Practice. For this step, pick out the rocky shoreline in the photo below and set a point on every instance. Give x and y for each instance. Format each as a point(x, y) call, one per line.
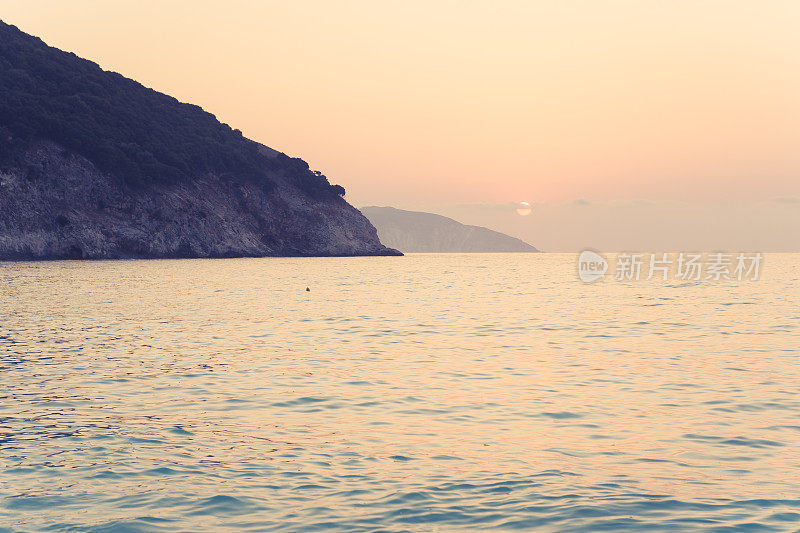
point(55, 204)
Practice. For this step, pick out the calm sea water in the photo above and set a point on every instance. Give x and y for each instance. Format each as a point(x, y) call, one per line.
point(421, 393)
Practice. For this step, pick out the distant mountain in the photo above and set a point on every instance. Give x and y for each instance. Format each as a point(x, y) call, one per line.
point(95, 165)
point(414, 231)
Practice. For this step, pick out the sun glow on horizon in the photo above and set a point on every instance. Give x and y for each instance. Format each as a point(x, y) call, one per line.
point(691, 100)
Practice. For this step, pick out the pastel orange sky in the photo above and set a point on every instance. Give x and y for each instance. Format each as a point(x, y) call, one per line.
point(410, 102)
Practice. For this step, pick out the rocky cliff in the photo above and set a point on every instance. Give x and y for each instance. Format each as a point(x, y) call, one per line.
point(414, 231)
point(94, 165)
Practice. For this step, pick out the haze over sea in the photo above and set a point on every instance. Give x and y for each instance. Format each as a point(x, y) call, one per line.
point(419, 393)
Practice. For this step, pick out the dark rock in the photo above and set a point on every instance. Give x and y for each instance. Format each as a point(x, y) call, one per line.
point(94, 165)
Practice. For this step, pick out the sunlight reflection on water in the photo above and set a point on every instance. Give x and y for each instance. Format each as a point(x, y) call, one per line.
point(421, 393)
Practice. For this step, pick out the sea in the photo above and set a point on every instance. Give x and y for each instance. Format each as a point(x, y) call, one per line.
point(425, 393)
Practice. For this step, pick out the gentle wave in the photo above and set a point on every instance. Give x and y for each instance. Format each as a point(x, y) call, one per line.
point(424, 393)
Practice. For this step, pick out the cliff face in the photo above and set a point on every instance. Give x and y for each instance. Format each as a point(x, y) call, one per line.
point(413, 231)
point(94, 165)
point(57, 205)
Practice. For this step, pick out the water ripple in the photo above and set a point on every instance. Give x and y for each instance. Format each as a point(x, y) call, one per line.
point(425, 393)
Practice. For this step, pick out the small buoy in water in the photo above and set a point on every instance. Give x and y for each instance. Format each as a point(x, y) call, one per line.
point(308, 290)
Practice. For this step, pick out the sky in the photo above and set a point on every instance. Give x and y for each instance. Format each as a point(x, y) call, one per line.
point(463, 106)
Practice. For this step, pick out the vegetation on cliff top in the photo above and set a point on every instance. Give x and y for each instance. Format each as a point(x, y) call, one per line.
point(137, 134)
